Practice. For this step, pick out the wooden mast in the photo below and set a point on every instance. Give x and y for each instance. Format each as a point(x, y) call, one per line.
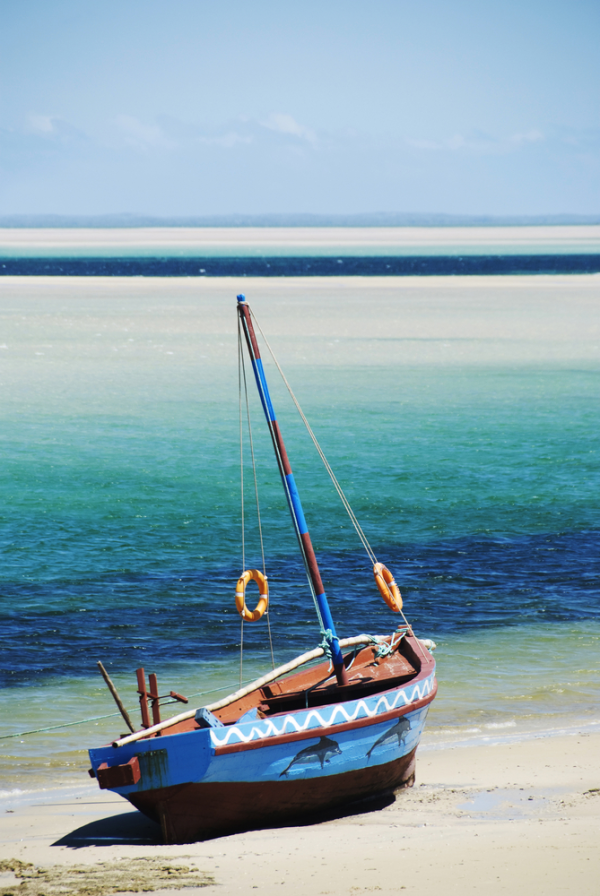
point(291, 493)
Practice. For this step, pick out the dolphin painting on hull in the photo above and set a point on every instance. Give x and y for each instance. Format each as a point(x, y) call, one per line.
point(398, 731)
point(321, 752)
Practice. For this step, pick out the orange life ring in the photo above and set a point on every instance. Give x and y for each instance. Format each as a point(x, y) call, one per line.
point(252, 575)
point(387, 587)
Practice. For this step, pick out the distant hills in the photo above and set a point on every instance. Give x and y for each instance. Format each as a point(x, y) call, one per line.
point(370, 219)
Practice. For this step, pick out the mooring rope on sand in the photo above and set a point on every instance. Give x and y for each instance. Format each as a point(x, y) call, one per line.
point(110, 715)
point(55, 727)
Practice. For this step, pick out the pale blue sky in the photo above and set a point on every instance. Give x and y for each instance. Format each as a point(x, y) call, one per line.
point(191, 107)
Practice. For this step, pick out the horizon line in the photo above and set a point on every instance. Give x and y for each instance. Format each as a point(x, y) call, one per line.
point(299, 219)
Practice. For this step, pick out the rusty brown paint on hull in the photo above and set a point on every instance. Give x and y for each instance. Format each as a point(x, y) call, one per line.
point(191, 812)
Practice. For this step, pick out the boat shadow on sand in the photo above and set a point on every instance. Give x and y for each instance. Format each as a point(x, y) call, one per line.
point(123, 827)
point(132, 827)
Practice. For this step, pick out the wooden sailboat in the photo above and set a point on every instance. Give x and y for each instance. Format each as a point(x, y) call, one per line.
point(302, 739)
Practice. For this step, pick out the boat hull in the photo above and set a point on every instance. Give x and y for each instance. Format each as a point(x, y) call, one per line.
point(207, 782)
point(193, 812)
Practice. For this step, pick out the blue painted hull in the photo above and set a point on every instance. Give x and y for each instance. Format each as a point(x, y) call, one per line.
point(210, 781)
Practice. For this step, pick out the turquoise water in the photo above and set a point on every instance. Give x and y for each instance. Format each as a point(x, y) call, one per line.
point(470, 458)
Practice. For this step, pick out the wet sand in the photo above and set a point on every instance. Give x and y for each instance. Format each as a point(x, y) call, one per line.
point(368, 320)
point(307, 240)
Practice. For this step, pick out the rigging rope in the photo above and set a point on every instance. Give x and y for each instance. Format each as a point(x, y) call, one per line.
point(242, 378)
point(326, 463)
point(111, 715)
point(240, 364)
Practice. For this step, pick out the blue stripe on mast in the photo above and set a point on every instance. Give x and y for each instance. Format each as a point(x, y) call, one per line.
point(327, 619)
point(296, 505)
point(269, 410)
point(263, 391)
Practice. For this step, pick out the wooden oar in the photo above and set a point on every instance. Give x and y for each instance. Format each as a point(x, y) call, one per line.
point(115, 694)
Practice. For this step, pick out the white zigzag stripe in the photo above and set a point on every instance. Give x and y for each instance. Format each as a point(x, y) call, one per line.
point(301, 721)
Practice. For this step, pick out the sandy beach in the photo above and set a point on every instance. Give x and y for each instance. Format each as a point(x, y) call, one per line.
point(305, 240)
point(515, 818)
